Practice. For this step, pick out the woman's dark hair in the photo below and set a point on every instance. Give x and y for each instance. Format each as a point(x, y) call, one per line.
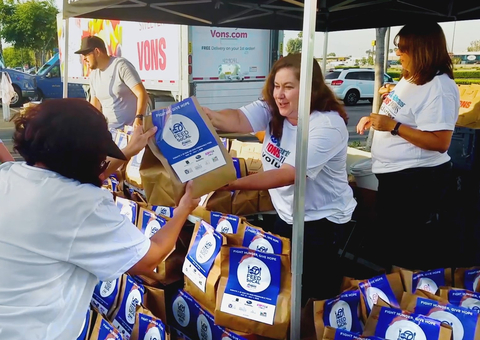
point(425, 44)
point(67, 136)
point(323, 99)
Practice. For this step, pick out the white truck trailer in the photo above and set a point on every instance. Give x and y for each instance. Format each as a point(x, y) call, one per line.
point(222, 67)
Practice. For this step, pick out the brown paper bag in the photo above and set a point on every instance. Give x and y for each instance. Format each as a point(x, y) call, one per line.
point(149, 325)
point(102, 329)
point(158, 187)
point(339, 313)
point(469, 113)
point(154, 301)
point(393, 279)
point(170, 269)
point(281, 321)
point(400, 316)
point(205, 183)
point(220, 201)
point(446, 314)
point(132, 170)
point(208, 298)
point(307, 324)
point(408, 275)
point(245, 202)
point(468, 278)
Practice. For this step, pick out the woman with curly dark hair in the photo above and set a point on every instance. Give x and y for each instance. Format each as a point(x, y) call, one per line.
point(59, 231)
point(329, 201)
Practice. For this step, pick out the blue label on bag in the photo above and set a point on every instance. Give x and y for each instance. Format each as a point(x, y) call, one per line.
point(132, 296)
point(150, 328)
point(465, 298)
point(341, 334)
point(428, 281)
point(127, 208)
point(253, 285)
point(223, 223)
point(84, 332)
point(122, 140)
point(184, 315)
point(108, 332)
point(256, 240)
point(462, 320)
point(104, 295)
point(202, 254)
point(343, 311)
point(236, 165)
point(396, 324)
point(185, 140)
point(375, 288)
point(471, 279)
point(151, 223)
point(162, 210)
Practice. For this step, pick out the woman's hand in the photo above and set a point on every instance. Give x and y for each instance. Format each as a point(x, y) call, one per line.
point(363, 124)
point(382, 122)
point(188, 203)
point(138, 141)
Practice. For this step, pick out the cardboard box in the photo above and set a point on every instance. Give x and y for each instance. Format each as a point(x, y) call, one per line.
point(189, 148)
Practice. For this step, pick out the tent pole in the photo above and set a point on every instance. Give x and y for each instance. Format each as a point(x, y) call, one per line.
point(65, 51)
point(309, 20)
point(325, 50)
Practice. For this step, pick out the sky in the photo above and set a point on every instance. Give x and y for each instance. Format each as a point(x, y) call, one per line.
point(354, 43)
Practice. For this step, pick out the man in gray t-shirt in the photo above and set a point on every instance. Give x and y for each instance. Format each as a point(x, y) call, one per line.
point(115, 86)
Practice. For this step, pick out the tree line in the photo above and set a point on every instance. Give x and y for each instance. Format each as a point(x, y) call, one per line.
point(30, 28)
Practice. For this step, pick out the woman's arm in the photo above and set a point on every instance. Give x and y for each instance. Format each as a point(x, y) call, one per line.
point(229, 120)
point(270, 179)
point(5, 155)
point(428, 140)
point(138, 141)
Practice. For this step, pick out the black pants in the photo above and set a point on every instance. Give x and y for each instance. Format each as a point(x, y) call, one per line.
point(409, 211)
point(321, 271)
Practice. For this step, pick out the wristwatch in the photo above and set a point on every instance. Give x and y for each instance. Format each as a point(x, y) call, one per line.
point(395, 129)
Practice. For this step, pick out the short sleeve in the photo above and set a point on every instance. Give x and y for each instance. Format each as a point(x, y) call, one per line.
point(324, 143)
point(92, 87)
point(107, 244)
point(128, 74)
point(258, 115)
point(439, 114)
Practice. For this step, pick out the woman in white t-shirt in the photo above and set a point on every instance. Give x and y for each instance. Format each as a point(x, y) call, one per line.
point(413, 131)
point(5, 155)
point(329, 201)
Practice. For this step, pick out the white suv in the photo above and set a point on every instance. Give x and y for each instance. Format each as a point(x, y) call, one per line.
point(350, 85)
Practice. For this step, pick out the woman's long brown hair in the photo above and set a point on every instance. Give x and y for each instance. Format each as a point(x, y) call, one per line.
point(426, 45)
point(322, 99)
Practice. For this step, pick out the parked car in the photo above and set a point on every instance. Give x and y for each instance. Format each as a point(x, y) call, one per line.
point(50, 84)
point(351, 85)
point(24, 84)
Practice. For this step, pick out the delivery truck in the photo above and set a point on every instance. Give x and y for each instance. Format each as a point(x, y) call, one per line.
point(222, 67)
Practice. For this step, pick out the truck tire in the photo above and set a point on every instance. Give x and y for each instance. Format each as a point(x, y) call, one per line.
point(17, 99)
point(351, 98)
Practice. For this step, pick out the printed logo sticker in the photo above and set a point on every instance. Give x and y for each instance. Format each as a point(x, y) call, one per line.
point(341, 315)
point(180, 132)
point(373, 294)
point(427, 285)
point(257, 240)
point(181, 312)
point(253, 275)
point(134, 299)
point(203, 328)
point(405, 330)
point(223, 223)
point(206, 248)
point(450, 320)
point(107, 288)
point(471, 303)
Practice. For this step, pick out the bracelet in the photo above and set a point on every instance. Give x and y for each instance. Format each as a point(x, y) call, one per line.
point(139, 116)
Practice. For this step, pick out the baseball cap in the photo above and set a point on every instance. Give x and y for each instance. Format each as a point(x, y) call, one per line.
point(89, 44)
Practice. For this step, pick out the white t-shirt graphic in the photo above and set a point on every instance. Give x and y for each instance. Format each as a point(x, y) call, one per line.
point(327, 193)
point(430, 107)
